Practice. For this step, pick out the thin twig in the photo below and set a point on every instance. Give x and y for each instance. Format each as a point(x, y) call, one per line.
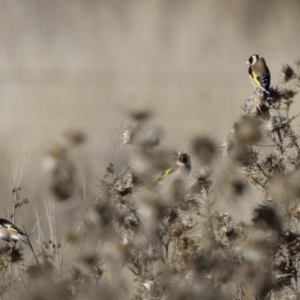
point(30, 245)
point(115, 145)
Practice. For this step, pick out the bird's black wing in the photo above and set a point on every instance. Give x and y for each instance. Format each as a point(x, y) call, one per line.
point(10, 226)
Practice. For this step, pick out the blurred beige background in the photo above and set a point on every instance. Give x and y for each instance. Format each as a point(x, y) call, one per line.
point(81, 65)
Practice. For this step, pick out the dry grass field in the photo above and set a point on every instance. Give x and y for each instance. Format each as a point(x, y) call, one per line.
point(74, 76)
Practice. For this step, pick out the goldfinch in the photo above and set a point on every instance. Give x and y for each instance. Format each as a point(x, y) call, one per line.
point(171, 184)
point(181, 172)
point(10, 233)
point(259, 73)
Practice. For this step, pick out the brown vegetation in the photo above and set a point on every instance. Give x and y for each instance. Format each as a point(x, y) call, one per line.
point(138, 243)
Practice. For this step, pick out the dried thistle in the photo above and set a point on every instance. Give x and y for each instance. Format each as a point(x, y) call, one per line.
point(266, 218)
point(204, 149)
point(287, 73)
point(74, 137)
point(279, 124)
point(276, 96)
point(62, 170)
point(201, 182)
point(140, 115)
point(297, 64)
point(256, 106)
point(247, 131)
point(127, 134)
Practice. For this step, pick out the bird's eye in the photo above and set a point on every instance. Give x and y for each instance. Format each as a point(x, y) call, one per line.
point(182, 158)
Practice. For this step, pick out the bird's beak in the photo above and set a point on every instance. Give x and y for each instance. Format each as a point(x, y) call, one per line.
point(247, 62)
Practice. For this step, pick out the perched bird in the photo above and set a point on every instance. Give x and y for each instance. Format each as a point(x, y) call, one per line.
point(10, 233)
point(259, 74)
point(181, 172)
point(171, 183)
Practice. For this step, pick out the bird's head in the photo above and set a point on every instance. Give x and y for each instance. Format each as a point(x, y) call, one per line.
point(184, 160)
point(252, 60)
